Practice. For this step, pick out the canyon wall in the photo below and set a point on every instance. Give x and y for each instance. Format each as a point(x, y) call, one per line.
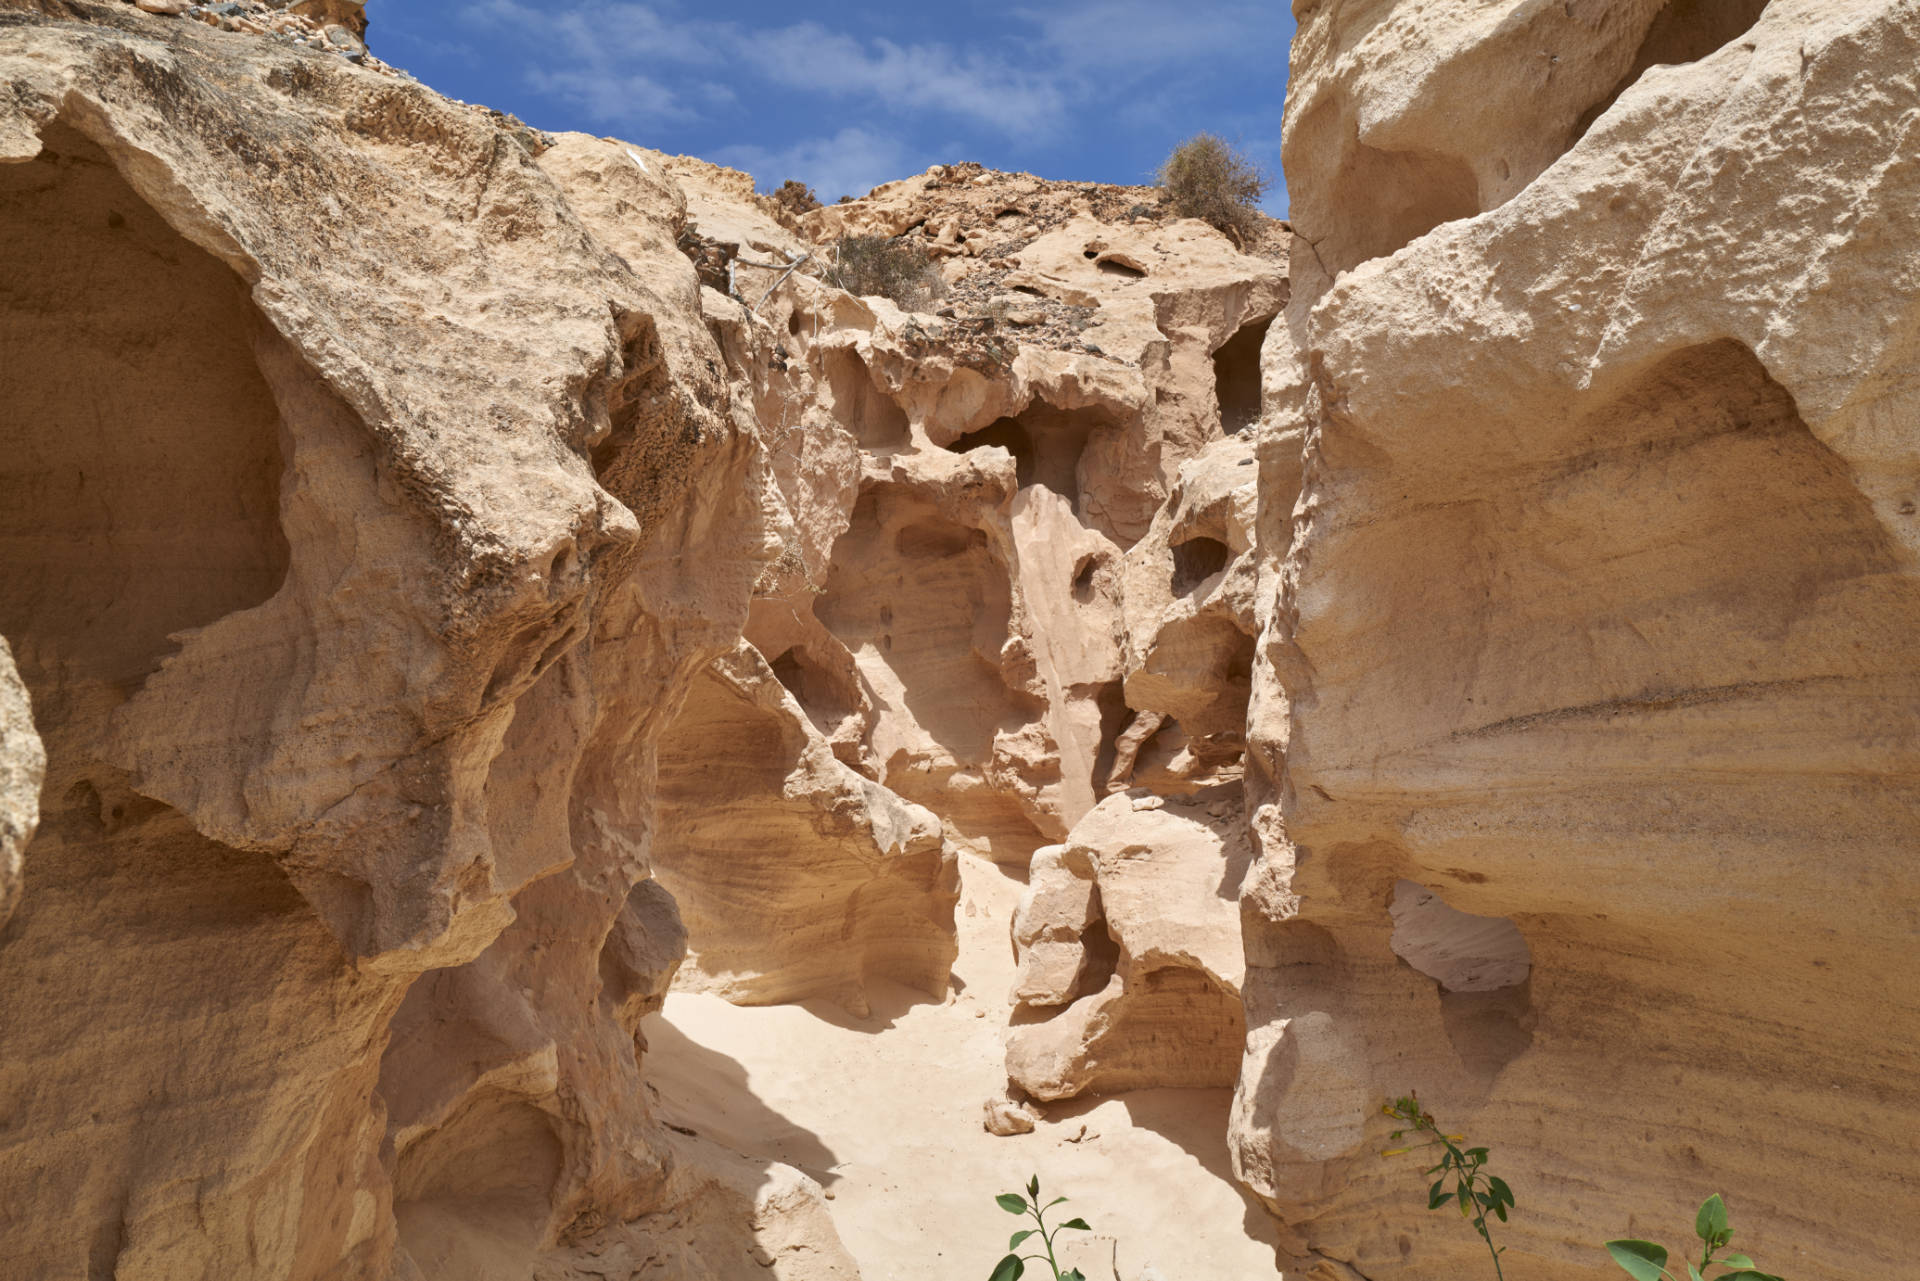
point(373, 496)
point(408, 556)
point(1585, 762)
point(465, 583)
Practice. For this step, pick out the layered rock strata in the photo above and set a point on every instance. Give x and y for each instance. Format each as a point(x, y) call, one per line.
point(1133, 927)
point(946, 617)
point(357, 560)
point(1586, 768)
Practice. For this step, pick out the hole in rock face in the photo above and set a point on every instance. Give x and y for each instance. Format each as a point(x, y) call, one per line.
point(1083, 579)
point(1114, 716)
point(812, 686)
point(1009, 435)
point(1684, 31)
point(139, 444)
point(1459, 951)
point(1197, 560)
point(1114, 267)
point(1048, 446)
point(925, 608)
point(485, 1175)
point(1236, 376)
point(1379, 201)
point(862, 408)
point(1481, 964)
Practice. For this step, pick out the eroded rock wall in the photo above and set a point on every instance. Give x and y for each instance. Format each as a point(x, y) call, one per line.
point(372, 497)
point(1596, 629)
point(945, 622)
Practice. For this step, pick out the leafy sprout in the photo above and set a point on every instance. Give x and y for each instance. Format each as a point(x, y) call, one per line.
point(1645, 1261)
point(1027, 1204)
point(1476, 1192)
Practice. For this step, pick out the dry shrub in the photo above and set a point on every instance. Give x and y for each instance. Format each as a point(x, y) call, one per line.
point(1205, 178)
point(895, 269)
point(796, 197)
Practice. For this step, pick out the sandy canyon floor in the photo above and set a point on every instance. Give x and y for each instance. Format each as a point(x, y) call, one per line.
point(885, 1112)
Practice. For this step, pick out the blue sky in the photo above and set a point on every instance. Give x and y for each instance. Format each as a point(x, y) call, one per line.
point(846, 96)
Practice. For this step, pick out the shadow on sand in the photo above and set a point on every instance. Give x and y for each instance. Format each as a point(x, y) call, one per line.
point(704, 1093)
point(1196, 1120)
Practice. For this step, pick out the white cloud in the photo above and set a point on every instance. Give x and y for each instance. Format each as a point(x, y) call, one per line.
point(929, 77)
point(629, 53)
point(612, 99)
point(849, 163)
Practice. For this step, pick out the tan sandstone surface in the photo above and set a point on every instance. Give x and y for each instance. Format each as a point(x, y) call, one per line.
point(338, 931)
point(1587, 762)
point(550, 743)
point(346, 567)
point(887, 1116)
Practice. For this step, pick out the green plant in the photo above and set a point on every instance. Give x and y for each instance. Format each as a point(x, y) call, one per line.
point(1645, 1261)
point(1014, 1264)
point(1205, 178)
point(876, 265)
point(1476, 1192)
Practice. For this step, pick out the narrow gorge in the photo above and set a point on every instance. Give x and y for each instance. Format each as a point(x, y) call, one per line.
point(542, 739)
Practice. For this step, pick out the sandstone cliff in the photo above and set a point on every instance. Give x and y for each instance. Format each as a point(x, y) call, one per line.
point(472, 589)
point(1598, 624)
point(466, 562)
point(368, 516)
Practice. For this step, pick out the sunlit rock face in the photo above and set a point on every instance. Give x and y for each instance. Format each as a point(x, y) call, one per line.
point(1132, 927)
point(367, 510)
point(1582, 723)
point(942, 660)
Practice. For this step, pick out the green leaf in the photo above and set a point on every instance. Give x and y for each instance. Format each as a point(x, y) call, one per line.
point(1056, 1201)
point(1478, 1154)
point(1033, 1187)
point(1641, 1260)
point(1746, 1274)
point(1008, 1269)
point(1012, 1202)
point(1075, 1275)
point(1737, 1261)
point(1500, 1189)
point(1694, 1273)
point(1074, 1223)
point(1013, 1242)
point(1437, 1194)
point(1712, 1219)
point(1465, 1198)
point(1500, 1209)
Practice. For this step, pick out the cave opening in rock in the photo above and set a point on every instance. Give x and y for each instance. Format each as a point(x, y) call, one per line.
point(823, 697)
point(1481, 965)
point(1197, 560)
point(925, 606)
point(140, 454)
point(1380, 201)
point(1683, 31)
point(1048, 445)
point(1007, 434)
point(1236, 376)
point(860, 406)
